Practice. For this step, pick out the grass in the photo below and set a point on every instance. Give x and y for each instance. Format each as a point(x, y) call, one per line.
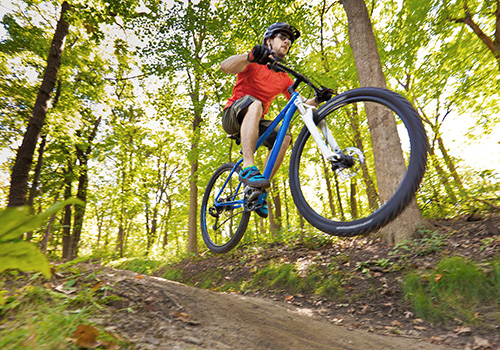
point(456, 289)
point(36, 318)
point(33, 315)
point(139, 265)
point(325, 281)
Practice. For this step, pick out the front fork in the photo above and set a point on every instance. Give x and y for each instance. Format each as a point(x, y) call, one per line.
point(325, 140)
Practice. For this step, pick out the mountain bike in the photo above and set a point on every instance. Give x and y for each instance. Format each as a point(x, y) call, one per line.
point(336, 182)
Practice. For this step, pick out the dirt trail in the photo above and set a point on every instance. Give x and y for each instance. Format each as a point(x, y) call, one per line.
point(156, 314)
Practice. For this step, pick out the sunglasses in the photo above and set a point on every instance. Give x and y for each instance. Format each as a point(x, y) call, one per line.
point(284, 37)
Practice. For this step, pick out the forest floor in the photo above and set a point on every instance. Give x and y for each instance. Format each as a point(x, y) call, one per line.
point(223, 303)
point(373, 300)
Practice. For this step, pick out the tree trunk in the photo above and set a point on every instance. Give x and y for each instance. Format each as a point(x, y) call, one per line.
point(331, 201)
point(389, 161)
point(48, 232)
point(193, 190)
point(66, 236)
point(353, 201)
point(371, 191)
point(36, 180)
point(287, 211)
point(166, 222)
point(24, 157)
point(272, 221)
point(278, 220)
point(339, 196)
point(120, 240)
point(81, 194)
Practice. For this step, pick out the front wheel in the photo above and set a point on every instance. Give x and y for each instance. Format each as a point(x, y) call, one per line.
point(379, 174)
point(223, 217)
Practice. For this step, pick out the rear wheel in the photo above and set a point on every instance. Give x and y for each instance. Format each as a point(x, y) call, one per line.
point(223, 218)
point(345, 198)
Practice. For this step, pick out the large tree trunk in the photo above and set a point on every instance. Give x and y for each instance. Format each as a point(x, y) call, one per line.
point(389, 161)
point(24, 157)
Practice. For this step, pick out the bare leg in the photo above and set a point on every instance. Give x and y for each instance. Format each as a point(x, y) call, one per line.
point(249, 132)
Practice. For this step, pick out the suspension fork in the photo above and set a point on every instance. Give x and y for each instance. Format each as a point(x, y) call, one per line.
point(323, 136)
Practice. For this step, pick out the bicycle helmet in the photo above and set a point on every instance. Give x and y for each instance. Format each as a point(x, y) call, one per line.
point(281, 27)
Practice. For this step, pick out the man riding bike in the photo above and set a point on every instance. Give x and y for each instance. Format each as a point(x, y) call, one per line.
point(257, 85)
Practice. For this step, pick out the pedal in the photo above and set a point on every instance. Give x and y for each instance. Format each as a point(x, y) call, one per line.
point(251, 196)
point(252, 193)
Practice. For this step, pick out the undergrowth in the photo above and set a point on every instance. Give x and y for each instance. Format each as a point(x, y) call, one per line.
point(41, 314)
point(456, 289)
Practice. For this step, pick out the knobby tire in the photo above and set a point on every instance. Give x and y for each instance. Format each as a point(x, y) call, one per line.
point(304, 182)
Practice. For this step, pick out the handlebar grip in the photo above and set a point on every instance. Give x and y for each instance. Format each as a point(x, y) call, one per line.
point(294, 86)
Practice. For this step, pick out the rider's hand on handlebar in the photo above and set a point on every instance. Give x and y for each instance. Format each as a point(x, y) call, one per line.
point(259, 54)
point(324, 94)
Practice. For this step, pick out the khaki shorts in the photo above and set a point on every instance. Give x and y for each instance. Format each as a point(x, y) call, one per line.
point(233, 117)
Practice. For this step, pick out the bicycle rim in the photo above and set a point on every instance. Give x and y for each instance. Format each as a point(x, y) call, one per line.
point(357, 200)
point(223, 218)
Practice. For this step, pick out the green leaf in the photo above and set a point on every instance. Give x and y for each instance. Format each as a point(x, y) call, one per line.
point(24, 256)
point(18, 220)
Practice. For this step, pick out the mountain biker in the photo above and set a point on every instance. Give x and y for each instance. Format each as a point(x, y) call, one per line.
point(257, 85)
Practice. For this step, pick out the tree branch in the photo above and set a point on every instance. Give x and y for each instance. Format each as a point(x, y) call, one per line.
point(467, 19)
point(126, 78)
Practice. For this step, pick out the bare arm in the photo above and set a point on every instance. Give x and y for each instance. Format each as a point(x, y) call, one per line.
point(235, 64)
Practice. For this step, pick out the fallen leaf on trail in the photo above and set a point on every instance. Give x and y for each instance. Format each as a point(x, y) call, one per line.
point(409, 314)
point(85, 336)
point(289, 298)
point(64, 289)
point(419, 328)
point(139, 277)
point(396, 323)
point(184, 317)
point(438, 277)
point(365, 309)
point(463, 330)
point(97, 286)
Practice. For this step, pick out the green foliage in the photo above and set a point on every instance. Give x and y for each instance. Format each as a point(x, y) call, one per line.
point(325, 281)
point(142, 266)
point(16, 254)
point(482, 193)
point(35, 316)
point(456, 288)
point(428, 242)
point(173, 274)
point(40, 321)
point(277, 277)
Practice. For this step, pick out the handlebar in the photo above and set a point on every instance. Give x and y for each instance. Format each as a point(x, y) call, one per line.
point(299, 78)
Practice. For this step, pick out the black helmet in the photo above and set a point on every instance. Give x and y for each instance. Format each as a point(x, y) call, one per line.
point(282, 27)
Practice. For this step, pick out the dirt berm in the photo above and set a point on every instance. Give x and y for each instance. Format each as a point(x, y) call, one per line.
point(155, 314)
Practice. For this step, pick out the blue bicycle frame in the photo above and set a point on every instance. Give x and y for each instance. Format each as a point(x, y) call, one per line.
point(286, 116)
